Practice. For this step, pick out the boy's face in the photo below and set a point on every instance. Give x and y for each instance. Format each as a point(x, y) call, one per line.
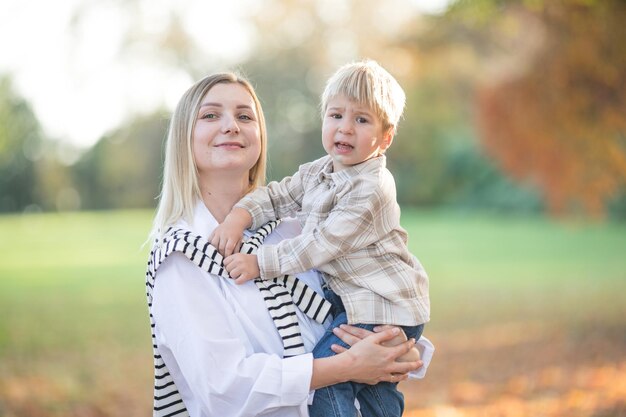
point(352, 133)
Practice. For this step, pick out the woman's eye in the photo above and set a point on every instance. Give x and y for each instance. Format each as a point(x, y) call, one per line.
point(209, 116)
point(245, 117)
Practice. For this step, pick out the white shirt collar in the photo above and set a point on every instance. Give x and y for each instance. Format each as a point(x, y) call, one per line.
point(203, 221)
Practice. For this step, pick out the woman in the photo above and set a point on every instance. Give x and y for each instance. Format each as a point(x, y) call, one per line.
point(217, 349)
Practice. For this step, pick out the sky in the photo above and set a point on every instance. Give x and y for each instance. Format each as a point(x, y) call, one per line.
point(74, 76)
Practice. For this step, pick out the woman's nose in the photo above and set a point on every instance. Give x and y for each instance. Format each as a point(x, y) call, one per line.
point(230, 125)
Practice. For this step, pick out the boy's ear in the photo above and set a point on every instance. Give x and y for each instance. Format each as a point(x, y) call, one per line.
point(388, 138)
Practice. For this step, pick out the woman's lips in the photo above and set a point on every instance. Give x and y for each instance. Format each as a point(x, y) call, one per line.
point(230, 145)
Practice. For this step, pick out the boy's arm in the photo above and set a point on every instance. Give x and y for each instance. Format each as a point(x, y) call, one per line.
point(227, 236)
point(275, 201)
point(357, 220)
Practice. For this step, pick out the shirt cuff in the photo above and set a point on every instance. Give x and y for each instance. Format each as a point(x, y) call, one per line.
point(297, 374)
point(254, 210)
point(426, 349)
point(269, 265)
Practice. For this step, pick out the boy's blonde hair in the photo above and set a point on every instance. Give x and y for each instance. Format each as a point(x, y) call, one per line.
point(367, 83)
point(180, 189)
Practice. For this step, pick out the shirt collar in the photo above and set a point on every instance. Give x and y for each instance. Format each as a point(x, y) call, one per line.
point(203, 220)
point(366, 167)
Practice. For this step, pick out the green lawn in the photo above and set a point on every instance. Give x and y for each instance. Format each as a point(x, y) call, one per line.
point(58, 272)
point(73, 318)
point(498, 267)
point(74, 332)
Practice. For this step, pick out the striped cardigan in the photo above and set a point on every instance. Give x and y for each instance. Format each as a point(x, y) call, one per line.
point(281, 296)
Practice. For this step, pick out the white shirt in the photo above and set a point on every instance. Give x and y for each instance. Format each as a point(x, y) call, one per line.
point(220, 343)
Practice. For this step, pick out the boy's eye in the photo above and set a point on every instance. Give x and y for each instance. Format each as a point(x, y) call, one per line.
point(335, 116)
point(361, 120)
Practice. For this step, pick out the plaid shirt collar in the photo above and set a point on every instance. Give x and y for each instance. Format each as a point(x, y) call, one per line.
point(371, 165)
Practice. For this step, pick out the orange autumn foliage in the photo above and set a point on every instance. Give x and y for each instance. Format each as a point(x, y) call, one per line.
point(561, 123)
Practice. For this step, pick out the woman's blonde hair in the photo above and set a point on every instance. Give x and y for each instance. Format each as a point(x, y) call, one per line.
point(180, 190)
point(369, 84)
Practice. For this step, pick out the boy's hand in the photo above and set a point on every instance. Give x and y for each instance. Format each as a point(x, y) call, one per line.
point(227, 237)
point(242, 267)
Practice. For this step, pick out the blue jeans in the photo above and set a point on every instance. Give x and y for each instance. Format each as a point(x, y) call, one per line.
point(380, 400)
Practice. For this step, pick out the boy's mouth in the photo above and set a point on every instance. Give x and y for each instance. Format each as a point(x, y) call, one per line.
point(342, 146)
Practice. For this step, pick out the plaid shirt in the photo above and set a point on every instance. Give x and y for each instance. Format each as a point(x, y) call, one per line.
point(350, 231)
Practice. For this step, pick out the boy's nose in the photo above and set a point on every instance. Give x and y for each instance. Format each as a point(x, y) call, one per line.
point(345, 126)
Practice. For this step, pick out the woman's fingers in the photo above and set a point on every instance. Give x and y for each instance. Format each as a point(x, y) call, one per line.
point(400, 349)
point(402, 377)
point(406, 367)
point(373, 362)
point(382, 327)
point(346, 337)
point(396, 377)
point(355, 331)
point(386, 335)
point(338, 348)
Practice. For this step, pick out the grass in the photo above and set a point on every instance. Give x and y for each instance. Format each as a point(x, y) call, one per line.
point(74, 336)
point(519, 266)
point(59, 272)
point(73, 318)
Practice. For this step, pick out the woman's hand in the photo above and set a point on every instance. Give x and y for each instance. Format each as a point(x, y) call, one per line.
point(351, 335)
point(374, 362)
point(367, 361)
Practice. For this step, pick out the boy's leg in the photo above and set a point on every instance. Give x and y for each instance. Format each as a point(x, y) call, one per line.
point(381, 400)
point(414, 332)
point(322, 348)
point(335, 400)
point(384, 399)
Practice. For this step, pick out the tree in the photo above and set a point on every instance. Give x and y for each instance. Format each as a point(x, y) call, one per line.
point(124, 168)
point(559, 120)
point(20, 147)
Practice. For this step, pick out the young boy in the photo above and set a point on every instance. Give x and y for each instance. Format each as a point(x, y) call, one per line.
point(346, 203)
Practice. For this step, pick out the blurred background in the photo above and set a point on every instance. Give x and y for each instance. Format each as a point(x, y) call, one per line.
point(510, 165)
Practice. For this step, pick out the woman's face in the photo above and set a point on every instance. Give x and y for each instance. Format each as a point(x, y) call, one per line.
point(227, 137)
